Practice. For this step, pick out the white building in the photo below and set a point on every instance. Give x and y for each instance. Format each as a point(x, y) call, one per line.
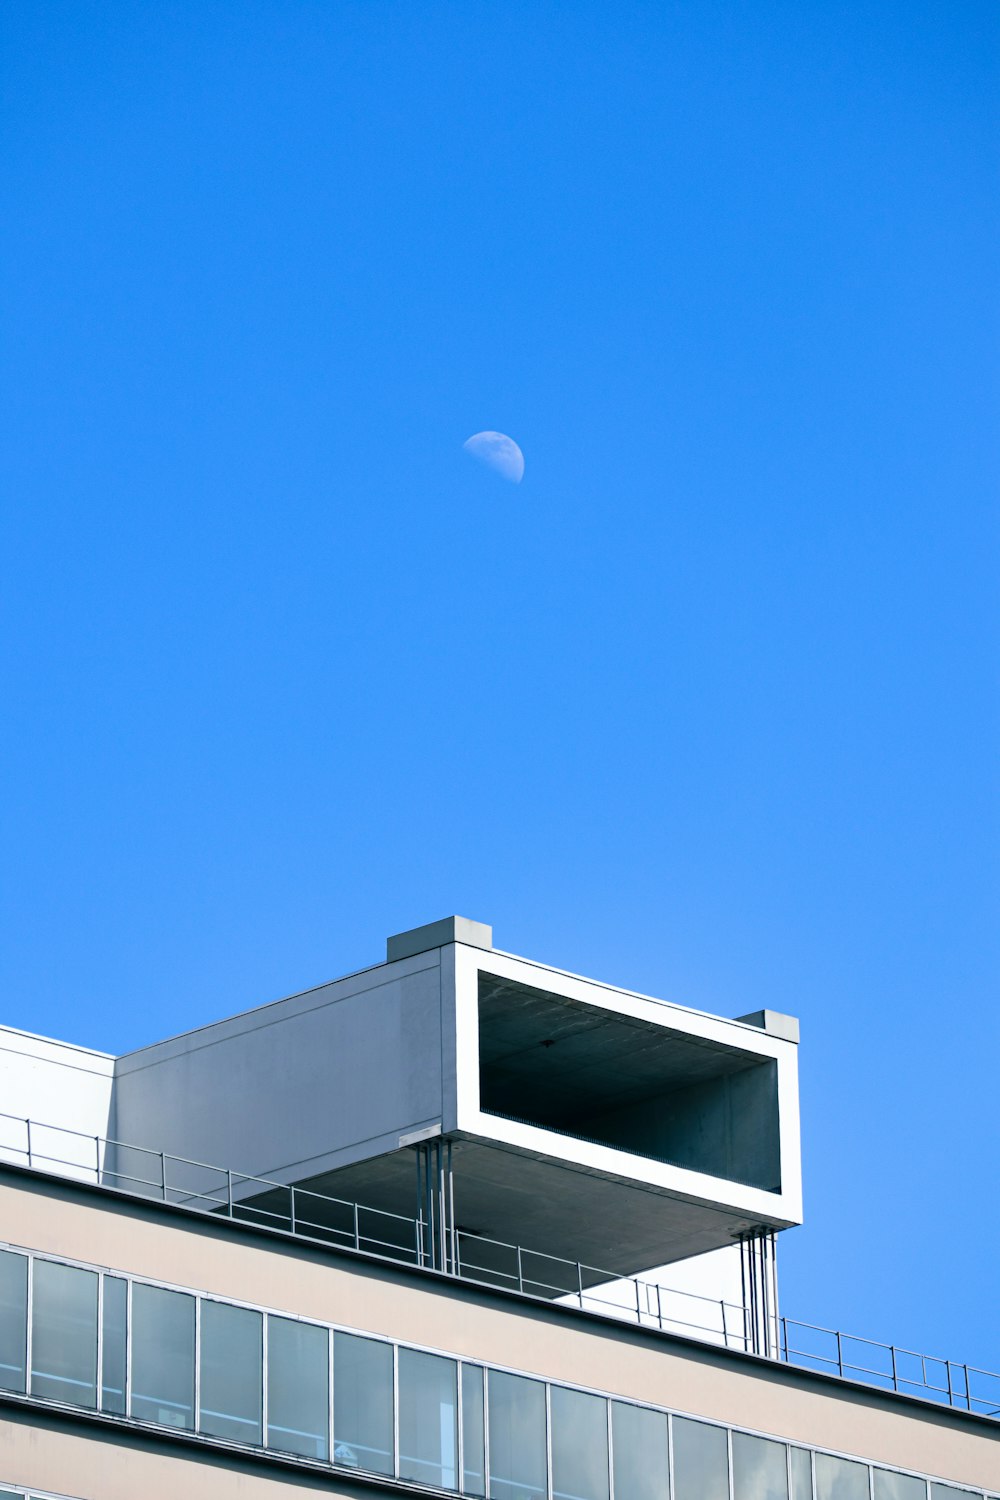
point(394, 1235)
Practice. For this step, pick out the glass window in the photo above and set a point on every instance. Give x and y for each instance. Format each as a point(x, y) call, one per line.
point(518, 1461)
point(840, 1479)
point(362, 1403)
point(473, 1431)
point(13, 1319)
point(113, 1341)
point(64, 1333)
point(759, 1469)
point(639, 1446)
point(949, 1492)
point(701, 1461)
point(298, 1387)
point(232, 1379)
point(579, 1445)
point(162, 1356)
point(802, 1476)
point(890, 1486)
point(428, 1419)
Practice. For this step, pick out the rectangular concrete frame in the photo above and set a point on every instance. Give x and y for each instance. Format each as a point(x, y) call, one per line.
point(740, 1204)
point(332, 1086)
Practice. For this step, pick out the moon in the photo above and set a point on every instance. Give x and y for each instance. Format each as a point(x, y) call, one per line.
point(498, 452)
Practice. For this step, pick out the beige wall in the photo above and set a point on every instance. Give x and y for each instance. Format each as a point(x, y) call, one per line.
point(74, 1463)
point(564, 1346)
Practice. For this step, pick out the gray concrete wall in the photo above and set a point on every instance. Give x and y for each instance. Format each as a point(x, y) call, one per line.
point(319, 1080)
point(727, 1127)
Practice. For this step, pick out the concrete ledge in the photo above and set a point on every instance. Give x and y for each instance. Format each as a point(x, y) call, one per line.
point(774, 1023)
point(436, 935)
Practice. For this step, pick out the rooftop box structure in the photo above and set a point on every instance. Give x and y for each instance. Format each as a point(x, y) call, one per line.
point(609, 1128)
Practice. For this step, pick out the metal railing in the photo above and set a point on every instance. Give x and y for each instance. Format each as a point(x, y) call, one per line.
point(890, 1367)
point(319, 1218)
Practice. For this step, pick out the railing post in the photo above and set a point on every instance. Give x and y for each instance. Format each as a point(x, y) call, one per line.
point(840, 1356)
point(229, 1190)
point(659, 1306)
point(163, 1176)
point(520, 1276)
point(947, 1370)
point(784, 1336)
point(725, 1330)
point(28, 1124)
point(579, 1284)
point(968, 1391)
point(895, 1379)
point(357, 1230)
point(291, 1194)
point(97, 1160)
point(638, 1304)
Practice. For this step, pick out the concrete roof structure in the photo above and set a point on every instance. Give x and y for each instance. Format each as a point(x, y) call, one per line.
point(595, 1124)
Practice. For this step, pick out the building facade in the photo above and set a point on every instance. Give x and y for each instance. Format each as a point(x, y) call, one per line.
point(393, 1236)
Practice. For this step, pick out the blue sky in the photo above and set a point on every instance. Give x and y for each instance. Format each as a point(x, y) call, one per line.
point(706, 706)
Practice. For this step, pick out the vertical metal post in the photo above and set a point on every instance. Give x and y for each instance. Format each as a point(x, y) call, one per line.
point(163, 1176)
point(947, 1368)
point(451, 1213)
point(28, 1124)
point(419, 1225)
point(659, 1306)
point(579, 1282)
point(638, 1303)
point(725, 1330)
point(895, 1381)
point(229, 1191)
point(97, 1160)
point(443, 1214)
point(291, 1196)
point(968, 1391)
point(784, 1337)
point(840, 1356)
point(357, 1229)
point(520, 1277)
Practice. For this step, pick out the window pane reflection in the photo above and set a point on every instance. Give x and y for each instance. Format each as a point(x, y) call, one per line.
point(759, 1471)
point(362, 1403)
point(428, 1419)
point(840, 1479)
point(473, 1431)
point(802, 1479)
point(298, 1387)
point(579, 1445)
point(162, 1356)
point(890, 1486)
point(701, 1461)
point(517, 1437)
point(13, 1320)
point(64, 1333)
point(231, 1372)
point(113, 1341)
point(639, 1445)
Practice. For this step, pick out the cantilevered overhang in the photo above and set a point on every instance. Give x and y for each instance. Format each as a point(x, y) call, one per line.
point(653, 1131)
point(594, 1124)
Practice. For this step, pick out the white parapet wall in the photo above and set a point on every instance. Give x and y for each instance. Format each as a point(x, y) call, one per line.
point(67, 1094)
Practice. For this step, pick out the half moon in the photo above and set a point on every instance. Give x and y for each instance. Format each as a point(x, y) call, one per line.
point(498, 452)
